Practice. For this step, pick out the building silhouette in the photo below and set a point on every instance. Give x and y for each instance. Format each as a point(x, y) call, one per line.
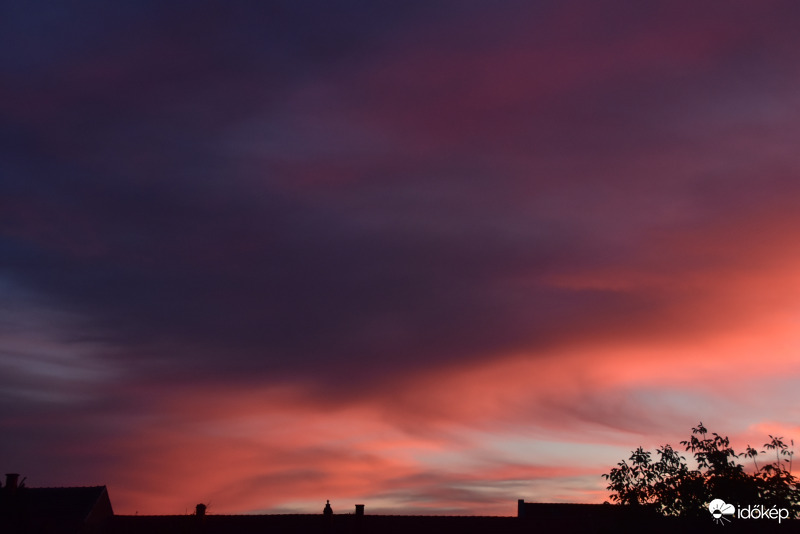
point(53, 510)
point(87, 510)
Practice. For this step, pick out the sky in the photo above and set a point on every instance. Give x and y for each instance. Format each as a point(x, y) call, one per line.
point(429, 256)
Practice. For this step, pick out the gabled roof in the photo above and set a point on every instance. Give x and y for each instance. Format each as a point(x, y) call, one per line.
point(54, 510)
point(72, 503)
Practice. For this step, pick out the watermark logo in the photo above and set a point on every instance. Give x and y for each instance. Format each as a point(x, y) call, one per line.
point(719, 509)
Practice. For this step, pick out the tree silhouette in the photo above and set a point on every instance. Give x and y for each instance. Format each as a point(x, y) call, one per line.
point(669, 486)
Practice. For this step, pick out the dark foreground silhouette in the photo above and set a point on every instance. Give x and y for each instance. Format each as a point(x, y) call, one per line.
point(87, 510)
point(719, 485)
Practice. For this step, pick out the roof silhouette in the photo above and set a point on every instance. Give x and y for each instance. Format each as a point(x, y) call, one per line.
point(53, 510)
point(87, 510)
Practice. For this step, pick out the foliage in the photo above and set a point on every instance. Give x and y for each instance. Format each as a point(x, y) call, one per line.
point(668, 485)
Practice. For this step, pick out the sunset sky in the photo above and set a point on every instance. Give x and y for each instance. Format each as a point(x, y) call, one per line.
point(429, 256)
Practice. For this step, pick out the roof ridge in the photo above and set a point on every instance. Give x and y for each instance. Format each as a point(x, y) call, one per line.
point(62, 487)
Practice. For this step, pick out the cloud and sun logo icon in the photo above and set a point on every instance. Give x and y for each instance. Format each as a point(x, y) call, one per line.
point(719, 509)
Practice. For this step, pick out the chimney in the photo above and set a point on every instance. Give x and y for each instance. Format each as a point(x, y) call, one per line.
point(12, 479)
point(520, 507)
point(359, 509)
